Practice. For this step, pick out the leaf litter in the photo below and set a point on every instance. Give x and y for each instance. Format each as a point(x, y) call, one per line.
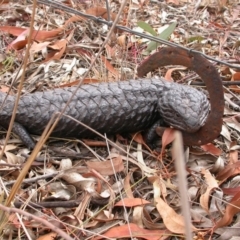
point(126, 191)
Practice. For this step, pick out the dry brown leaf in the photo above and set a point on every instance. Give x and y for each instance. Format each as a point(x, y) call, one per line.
point(168, 137)
point(231, 191)
point(37, 47)
point(174, 2)
point(14, 159)
point(13, 219)
point(73, 19)
point(111, 51)
point(137, 137)
point(84, 52)
point(210, 148)
point(232, 208)
point(105, 215)
point(4, 2)
point(71, 176)
point(60, 47)
point(48, 236)
point(146, 170)
point(122, 41)
point(131, 202)
point(223, 2)
point(101, 12)
point(137, 216)
point(108, 167)
point(212, 184)
point(168, 75)
point(127, 186)
point(132, 230)
point(229, 171)
point(173, 221)
point(37, 35)
point(159, 186)
point(150, 223)
point(4, 89)
point(20, 42)
point(109, 67)
point(233, 123)
point(233, 156)
point(235, 77)
point(94, 143)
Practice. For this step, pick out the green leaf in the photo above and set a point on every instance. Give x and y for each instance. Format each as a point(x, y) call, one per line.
point(195, 38)
point(165, 34)
point(147, 28)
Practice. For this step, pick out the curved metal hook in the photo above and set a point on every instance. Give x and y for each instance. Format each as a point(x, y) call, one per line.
point(210, 76)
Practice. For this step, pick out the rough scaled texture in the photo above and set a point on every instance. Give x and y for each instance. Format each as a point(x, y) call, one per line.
point(125, 106)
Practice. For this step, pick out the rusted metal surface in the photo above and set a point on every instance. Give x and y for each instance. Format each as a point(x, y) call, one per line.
point(210, 76)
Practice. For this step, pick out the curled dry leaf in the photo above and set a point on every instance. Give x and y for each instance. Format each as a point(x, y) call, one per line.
point(105, 215)
point(63, 194)
point(229, 171)
point(58, 190)
point(139, 139)
point(127, 186)
point(12, 158)
point(110, 67)
point(232, 208)
point(38, 47)
point(160, 186)
point(71, 176)
point(122, 41)
point(173, 221)
point(20, 42)
point(79, 181)
point(138, 216)
point(168, 75)
point(147, 220)
point(168, 137)
point(211, 185)
point(60, 47)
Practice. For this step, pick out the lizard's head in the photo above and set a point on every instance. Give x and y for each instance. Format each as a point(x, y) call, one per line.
point(183, 107)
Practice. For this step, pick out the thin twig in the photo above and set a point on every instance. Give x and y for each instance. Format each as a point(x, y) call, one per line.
point(224, 83)
point(34, 179)
point(178, 155)
point(37, 219)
